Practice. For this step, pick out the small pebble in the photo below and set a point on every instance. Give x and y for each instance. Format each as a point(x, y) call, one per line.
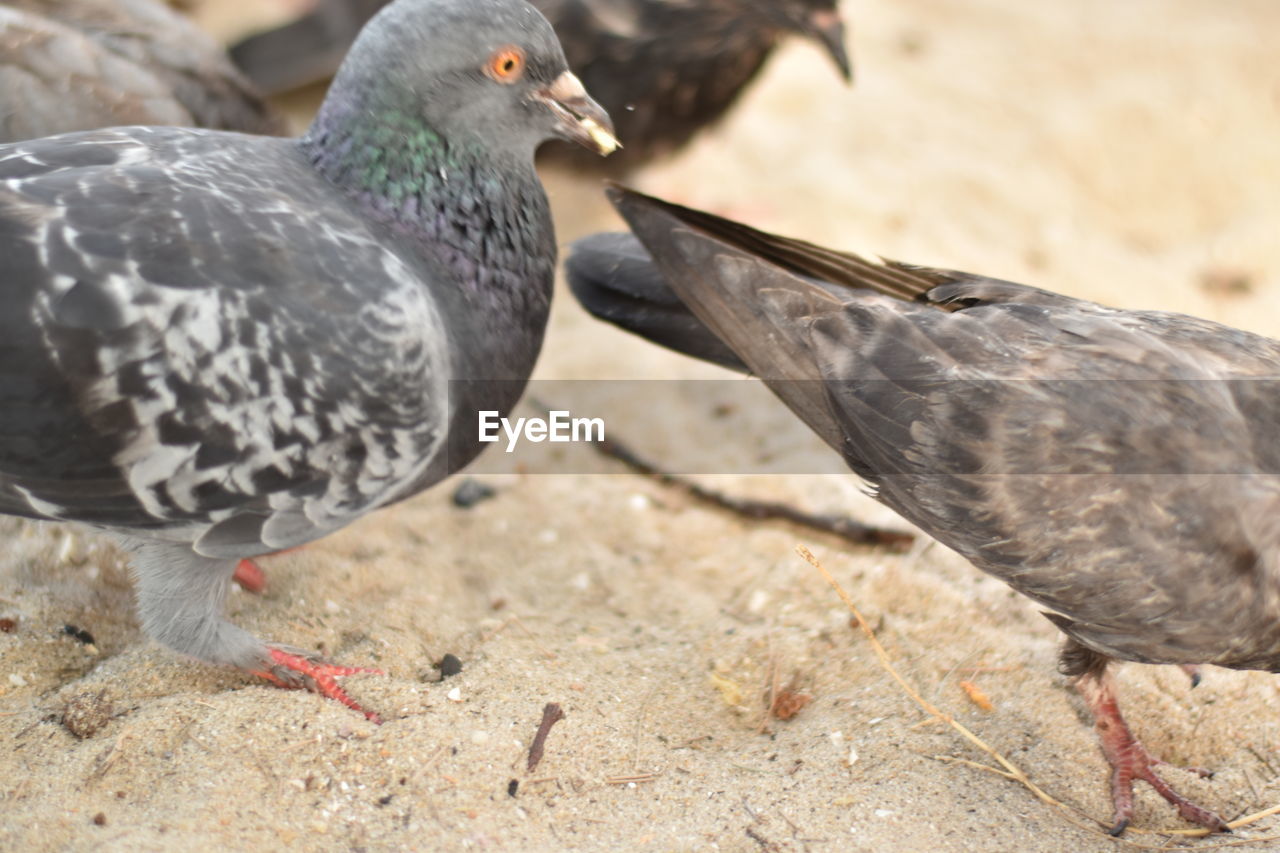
point(513, 787)
point(85, 714)
point(449, 665)
point(471, 492)
point(100, 819)
point(8, 626)
point(79, 633)
point(1226, 282)
point(17, 680)
point(479, 737)
point(454, 695)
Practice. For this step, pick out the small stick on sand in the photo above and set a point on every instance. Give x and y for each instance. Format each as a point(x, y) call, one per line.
point(1011, 771)
point(627, 780)
point(765, 844)
point(547, 653)
point(911, 691)
point(551, 715)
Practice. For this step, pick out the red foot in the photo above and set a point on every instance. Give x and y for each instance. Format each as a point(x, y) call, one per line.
point(250, 576)
point(1130, 760)
point(292, 672)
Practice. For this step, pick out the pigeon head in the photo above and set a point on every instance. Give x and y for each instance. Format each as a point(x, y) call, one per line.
point(814, 19)
point(474, 73)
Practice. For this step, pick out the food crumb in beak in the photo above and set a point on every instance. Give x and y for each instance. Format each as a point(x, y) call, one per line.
point(604, 140)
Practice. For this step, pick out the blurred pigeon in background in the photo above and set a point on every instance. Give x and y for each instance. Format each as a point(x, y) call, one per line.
point(1117, 467)
point(70, 65)
point(217, 345)
point(664, 69)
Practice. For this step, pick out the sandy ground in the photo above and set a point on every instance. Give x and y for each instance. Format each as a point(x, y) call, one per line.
point(1126, 152)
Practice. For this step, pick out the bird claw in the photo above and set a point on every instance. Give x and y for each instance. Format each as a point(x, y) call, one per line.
point(294, 671)
point(1130, 760)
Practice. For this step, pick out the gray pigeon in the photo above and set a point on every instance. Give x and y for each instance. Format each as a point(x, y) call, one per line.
point(216, 345)
point(664, 69)
point(83, 64)
point(1117, 467)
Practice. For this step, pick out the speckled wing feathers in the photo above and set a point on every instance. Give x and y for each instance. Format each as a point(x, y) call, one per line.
point(226, 357)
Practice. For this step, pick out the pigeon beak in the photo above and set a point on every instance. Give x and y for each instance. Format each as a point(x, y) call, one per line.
point(578, 118)
point(827, 28)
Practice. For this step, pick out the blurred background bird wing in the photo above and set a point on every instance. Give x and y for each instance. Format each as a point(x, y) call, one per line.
point(83, 64)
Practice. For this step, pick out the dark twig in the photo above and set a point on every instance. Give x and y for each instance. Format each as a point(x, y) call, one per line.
point(840, 526)
point(551, 715)
point(765, 844)
point(837, 525)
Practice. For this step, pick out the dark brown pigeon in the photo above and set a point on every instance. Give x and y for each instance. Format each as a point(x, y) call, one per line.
point(1117, 467)
point(83, 64)
point(664, 69)
point(216, 345)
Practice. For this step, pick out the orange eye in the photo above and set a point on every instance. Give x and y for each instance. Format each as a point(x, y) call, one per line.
point(506, 65)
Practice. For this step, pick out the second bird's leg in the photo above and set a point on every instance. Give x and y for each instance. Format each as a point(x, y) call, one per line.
point(250, 575)
point(1127, 756)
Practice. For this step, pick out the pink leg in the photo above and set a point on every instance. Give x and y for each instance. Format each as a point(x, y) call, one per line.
point(1129, 760)
point(250, 576)
point(293, 671)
